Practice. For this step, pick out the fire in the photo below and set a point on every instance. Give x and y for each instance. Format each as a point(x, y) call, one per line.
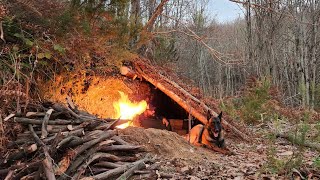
point(127, 110)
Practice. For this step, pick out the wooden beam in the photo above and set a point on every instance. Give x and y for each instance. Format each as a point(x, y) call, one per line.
point(186, 106)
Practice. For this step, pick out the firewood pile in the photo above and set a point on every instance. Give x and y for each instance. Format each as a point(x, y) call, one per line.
point(65, 143)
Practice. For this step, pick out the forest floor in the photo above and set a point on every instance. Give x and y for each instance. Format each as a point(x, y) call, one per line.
point(252, 160)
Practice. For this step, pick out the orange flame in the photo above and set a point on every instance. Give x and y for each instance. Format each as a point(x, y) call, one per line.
point(127, 110)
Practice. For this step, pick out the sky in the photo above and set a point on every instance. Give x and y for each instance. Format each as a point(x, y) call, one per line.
point(224, 10)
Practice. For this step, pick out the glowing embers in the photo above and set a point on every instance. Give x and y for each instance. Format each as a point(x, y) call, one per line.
point(127, 110)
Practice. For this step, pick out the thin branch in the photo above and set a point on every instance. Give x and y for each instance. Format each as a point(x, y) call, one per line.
point(288, 14)
point(2, 33)
point(216, 55)
point(154, 16)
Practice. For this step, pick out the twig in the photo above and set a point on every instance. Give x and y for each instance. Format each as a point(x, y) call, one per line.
point(44, 132)
point(2, 33)
point(130, 172)
point(288, 14)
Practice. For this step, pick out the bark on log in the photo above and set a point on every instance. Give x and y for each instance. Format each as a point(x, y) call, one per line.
point(78, 132)
point(44, 131)
point(72, 167)
point(47, 162)
point(21, 153)
point(109, 165)
point(95, 171)
point(39, 122)
point(93, 142)
point(17, 168)
point(90, 136)
point(120, 148)
point(119, 140)
point(117, 171)
point(184, 104)
point(35, 114)
point(92, 158)
point(66, 140)
point(78, 159)
point(32, 176)
point(130, 172)
point(169, 176)
point(9, 175)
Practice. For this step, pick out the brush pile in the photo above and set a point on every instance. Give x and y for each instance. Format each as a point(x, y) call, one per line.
point(64, 143)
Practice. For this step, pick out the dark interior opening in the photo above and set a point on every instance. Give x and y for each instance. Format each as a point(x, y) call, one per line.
point(164, 107)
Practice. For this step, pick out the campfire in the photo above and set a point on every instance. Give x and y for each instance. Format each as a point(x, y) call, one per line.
point(127, 110)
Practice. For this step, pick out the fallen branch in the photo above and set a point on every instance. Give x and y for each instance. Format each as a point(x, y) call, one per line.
point(39, 122)
point(109, 165)
point(119, 170)
point(120, 148)
point(139, 165)
point(119, 140)
point(21, 153)
point(66, 140)
point(47, 162)
point(1, 33)
point(92, 158)
point(44, 131)
point(91, 143)
point(292, 139)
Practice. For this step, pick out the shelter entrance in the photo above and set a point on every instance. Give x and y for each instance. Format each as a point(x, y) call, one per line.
point(163, 113)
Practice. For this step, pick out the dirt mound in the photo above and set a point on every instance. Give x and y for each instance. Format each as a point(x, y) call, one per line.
point(166, 143)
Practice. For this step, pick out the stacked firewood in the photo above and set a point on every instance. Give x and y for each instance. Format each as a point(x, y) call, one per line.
point(64, 143)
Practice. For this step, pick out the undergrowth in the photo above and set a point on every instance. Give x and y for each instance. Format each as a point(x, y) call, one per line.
point(258, 105)
point(254, 106)
point(288, 164)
